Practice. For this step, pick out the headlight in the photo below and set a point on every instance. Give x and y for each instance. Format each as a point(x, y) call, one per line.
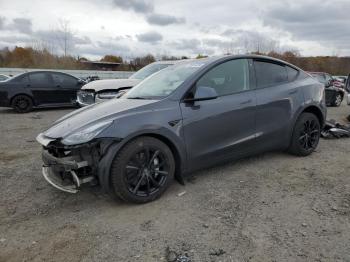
point(85, 135)
point(107, 95)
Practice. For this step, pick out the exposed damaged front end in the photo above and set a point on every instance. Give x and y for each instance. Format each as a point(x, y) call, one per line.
point(69, 167)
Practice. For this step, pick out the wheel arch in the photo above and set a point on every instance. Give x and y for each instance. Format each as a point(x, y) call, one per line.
point(313, 109)
point(106, 161)
point(174, 149)
point(21, 94)
point(316, 111)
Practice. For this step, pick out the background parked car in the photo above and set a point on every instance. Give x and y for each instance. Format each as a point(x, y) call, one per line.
point(3, 77)
point(334, 89)
point(102, 90)
point(91, 79)
point(341, 79)
point(39, 89)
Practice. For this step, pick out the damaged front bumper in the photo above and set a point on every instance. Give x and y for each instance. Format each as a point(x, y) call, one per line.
point(64, 173)
point(67, 168)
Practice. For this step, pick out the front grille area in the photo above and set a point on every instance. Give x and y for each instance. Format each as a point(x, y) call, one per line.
point(86, 97)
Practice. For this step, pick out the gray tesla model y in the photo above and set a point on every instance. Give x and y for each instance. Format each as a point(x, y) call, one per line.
point(192, 115)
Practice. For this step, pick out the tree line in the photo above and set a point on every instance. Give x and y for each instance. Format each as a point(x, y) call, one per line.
point(28, 57)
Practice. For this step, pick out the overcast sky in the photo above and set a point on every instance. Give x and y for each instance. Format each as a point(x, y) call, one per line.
point(179, 27)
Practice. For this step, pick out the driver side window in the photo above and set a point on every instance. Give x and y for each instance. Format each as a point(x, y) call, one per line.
point(227, 78)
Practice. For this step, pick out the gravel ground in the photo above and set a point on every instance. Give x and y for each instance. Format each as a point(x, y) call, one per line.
point(272, 207)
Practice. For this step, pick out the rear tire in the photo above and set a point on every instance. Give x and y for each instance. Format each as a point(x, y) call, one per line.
point(22, 104)
point(306, 135)
point(142, 170)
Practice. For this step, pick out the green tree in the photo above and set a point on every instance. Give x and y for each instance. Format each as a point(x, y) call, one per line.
point(112, 59)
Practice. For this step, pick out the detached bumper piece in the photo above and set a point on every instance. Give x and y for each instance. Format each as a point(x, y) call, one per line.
point(333, 129)
point(66, 173)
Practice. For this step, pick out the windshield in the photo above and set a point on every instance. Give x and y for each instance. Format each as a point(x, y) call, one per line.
point(148, 70)
point(165, 82)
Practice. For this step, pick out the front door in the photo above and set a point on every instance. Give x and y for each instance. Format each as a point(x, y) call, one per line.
point(42, 88)
point(224, 127)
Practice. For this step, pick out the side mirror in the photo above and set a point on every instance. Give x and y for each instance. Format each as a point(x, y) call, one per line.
point(203, 93)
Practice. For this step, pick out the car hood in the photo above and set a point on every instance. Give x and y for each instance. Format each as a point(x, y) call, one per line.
point(109, 84)
point(86, 116)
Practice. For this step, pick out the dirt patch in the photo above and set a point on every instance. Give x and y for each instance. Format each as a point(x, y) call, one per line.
point(271, 207)
point(9, 157)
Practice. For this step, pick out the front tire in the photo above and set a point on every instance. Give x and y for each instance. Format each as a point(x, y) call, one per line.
point(22, 104)
point(306, 135)
point(142, 170)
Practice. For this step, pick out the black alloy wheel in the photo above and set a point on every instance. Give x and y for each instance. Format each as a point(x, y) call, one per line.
point(306, 135)
point(309, 136)
point(22, 104)
point(142, 170)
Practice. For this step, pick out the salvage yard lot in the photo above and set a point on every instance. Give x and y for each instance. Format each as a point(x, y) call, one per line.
point(272, 207)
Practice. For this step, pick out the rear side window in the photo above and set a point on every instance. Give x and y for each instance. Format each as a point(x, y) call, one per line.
point(39, 79)
point(270, 74)
point(292, 73)
point(64, 80)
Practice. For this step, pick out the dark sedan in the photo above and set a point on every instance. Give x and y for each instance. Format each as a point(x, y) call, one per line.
point(334, 90)
point(188, 116)
point(39, 89)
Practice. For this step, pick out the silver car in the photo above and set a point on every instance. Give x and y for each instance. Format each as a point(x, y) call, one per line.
point(103, 90)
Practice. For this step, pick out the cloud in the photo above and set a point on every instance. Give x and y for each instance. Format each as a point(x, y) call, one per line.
point(251, 41)
point(11, 39)
point(113, 48)
point(222, 44)
point(150, 37)
point(147, 8)
point(2, 22)
point(191, 45)
point(22, 25)
point(163, 20)
point(324, 22)
point(138, 6)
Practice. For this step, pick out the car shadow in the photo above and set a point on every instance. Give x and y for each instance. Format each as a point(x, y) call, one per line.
point(5, 110)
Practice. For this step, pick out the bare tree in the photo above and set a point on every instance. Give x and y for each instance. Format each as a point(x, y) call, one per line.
point(65, 36)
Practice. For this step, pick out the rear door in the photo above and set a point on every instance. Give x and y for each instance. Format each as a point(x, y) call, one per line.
point(224, 127)
point(42, 88)
point(66, 87)
point(278, 97)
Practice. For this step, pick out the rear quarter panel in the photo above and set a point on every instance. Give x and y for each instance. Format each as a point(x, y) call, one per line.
point(314, 96)
point(10, 89)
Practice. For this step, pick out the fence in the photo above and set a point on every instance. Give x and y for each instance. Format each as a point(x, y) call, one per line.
point(76, 73)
